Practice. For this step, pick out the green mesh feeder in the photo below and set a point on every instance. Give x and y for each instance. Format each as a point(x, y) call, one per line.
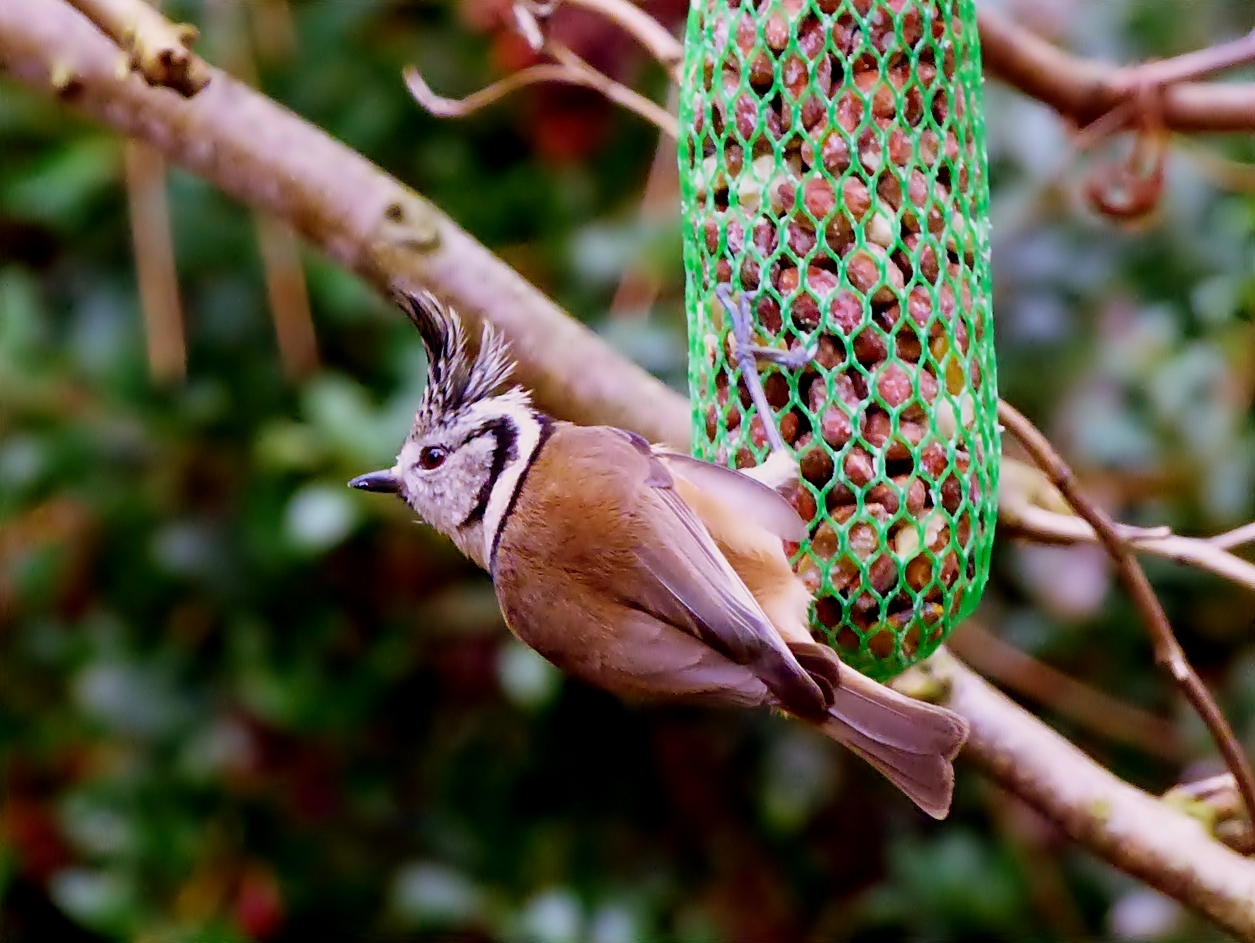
point(834, 173)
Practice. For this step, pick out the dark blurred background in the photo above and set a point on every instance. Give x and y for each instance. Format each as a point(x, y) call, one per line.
point(240, 702)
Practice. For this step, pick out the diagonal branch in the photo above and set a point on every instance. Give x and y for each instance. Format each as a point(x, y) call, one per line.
point(1135, 832)
point(269, 159)
point(1167, 649)
point(1093, 709)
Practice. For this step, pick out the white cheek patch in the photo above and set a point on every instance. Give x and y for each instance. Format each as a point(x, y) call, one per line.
point(449, 495)
point(514, 407)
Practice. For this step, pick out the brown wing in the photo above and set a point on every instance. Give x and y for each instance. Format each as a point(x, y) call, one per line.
point(753, 499)
point(683, 579)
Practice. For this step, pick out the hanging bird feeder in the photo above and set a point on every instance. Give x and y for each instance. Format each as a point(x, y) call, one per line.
point(834, 173)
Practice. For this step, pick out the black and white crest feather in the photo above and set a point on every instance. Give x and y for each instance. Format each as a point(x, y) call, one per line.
point(455, 382)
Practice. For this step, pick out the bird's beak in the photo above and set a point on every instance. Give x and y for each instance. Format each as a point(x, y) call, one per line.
point(383, 482)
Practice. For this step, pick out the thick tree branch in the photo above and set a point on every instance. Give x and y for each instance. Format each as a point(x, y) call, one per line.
point(269, 159)
point(1216, 803)
point(1124, 826)
point(1085, 91)
point(272, 160)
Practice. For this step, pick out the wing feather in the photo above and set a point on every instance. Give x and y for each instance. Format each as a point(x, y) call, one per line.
point(752, 499)
point(690, 584)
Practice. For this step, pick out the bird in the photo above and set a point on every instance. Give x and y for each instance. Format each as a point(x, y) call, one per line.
point(639, 569)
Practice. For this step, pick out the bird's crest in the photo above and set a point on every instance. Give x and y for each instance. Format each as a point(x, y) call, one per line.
point(455, 381)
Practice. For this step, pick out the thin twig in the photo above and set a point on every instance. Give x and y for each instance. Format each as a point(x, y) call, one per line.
point(1234, 538)
point(1131, 189)
point(573, 71)
point(1085, 90)
point(157, 49)
point(1167, 649)
point(570, 69)
point(442, 107)
point(1189, 66)
point(1022, 513)
point(288, 296)
point(1048, 527)
point(1089, 707)
point(286, 291)
point(618, 93)
point(154, 262)
point(648, 32)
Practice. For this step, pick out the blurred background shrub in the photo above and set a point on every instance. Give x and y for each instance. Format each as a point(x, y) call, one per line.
point(240, 702)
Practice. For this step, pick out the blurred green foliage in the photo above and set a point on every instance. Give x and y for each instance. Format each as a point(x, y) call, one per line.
point(239, 701)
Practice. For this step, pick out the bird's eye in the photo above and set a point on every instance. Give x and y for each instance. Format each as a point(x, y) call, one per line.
point(432, 456)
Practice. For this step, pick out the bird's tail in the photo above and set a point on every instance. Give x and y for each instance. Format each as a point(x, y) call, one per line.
point(911, 742)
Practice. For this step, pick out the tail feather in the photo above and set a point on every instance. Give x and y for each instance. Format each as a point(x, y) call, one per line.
point(895, 720)
point(910, 742)
point(927, 779)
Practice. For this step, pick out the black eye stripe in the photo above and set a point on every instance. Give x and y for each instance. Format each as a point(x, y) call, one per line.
point(505, 451)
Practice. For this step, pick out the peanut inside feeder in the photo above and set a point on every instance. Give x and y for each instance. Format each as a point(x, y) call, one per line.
point(833, 169)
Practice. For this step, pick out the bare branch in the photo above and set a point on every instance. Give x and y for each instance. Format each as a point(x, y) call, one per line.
point(157, 49)
point(570, 68)
point(617, 93)
point(154, 262)
point(1167, 650)
point(1091, 708)
point(288, 296)
point(271, 160)
point(1191, 65)
point(1234, 538)
point(572, 71)
point(1019, 515)
point(651, 34)
point(1216, 803)
point(1135, 832)
point(442, 107)
point(1085, 91)
point(286, 290)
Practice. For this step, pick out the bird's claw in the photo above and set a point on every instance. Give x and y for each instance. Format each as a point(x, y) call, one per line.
point(748, 355)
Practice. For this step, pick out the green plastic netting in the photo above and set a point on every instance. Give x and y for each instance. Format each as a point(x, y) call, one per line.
point(833, 167)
